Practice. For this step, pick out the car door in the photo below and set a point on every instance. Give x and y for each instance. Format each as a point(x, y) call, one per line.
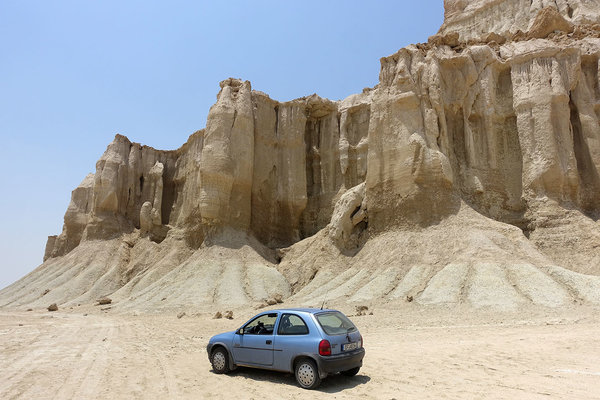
point(291, 340)
point(253, 343)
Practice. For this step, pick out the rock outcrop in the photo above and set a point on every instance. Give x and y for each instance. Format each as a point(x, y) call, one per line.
point(473, 19)
point(485, 140)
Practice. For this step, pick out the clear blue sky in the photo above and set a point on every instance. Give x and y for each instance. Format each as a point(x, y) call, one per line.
point(75, 73)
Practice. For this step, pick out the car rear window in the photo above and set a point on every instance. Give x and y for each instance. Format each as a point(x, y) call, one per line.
point(335, 323)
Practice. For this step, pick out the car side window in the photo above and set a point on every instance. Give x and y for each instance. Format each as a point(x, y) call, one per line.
point(262, 325)
point(291, 324)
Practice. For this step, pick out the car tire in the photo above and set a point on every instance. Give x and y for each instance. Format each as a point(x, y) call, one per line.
point(220, 361)
point(351, 372)
point(307, 374)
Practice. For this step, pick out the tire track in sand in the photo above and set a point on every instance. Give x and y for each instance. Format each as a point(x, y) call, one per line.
point(164, 364)
point(90, 365)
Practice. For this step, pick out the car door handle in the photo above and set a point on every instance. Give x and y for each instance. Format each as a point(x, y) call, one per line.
point(269, 342)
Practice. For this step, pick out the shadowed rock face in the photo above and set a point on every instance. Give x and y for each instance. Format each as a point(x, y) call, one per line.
point(509, 130)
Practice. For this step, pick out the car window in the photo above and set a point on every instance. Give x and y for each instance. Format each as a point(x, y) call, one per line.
point(262, 325)
point(335, 323)
point(291, 324)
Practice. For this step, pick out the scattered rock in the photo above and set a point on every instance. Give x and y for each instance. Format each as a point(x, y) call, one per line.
point(53, 307)
point(227, 314)
point(271, 302)
point(409, 299)
point(278, 298)
point(30, 309)
point(46, 292)
point(361, 310)
point(104, 301)
point(163, 299)
point(181, 315)
point(20, 324)
point(105, 308)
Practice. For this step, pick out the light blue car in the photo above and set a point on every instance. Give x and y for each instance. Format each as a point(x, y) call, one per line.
point(309, 342)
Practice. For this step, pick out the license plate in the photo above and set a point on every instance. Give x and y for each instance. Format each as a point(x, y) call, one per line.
point(350, 346)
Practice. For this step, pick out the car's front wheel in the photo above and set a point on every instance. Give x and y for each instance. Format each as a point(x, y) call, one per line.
point(219, 361)
point(307, 374)
point(351, 372)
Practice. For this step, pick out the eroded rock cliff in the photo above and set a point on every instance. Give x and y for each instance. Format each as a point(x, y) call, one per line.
point(468, 174)
point(474, 19)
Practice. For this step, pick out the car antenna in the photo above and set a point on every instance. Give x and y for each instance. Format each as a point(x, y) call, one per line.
point(323, 304)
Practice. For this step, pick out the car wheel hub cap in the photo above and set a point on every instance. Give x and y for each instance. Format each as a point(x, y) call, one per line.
point(306, 375)
point(219, 361)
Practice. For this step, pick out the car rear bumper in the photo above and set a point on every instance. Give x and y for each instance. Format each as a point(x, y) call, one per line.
point(341, 362)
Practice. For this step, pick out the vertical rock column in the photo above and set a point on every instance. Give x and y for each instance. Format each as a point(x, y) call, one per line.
point(76, 219)
point(226, 165)
point(353, 144)
point(110, 177)
point(150, 213)
point(323, 173)
point(585, 109)
point(279, 183)
point(541, 89)
point(480, 131)
point(110, 193)
point(291, 185)
point(408, 181)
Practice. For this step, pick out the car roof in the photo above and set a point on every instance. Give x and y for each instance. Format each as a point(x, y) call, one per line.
point(304, 310)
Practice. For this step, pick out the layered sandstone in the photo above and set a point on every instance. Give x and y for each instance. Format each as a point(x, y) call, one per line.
point(468, 174)
point(473, 19)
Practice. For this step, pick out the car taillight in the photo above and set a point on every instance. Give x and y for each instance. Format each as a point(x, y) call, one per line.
point(325, 348)
point(361, 341)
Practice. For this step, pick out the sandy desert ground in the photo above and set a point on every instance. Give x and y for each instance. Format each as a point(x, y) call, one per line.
point(412, 353)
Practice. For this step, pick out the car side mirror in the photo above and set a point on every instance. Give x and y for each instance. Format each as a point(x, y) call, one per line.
point(240, 331)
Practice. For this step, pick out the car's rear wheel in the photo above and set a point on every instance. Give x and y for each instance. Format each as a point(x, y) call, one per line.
point(351, 372)
point(219, 361)
point(307, 374)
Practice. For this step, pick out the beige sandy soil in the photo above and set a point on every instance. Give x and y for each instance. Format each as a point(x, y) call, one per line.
point(412, 353)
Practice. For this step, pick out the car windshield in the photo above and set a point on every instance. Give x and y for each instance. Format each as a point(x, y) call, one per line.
point(335, 323)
